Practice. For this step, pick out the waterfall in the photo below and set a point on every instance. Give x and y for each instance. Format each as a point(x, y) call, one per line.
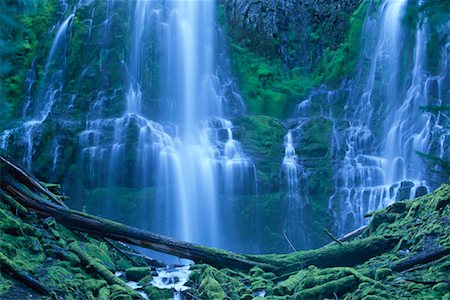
point(36, 111)
point(375, 162)
point(186, 151)
point(293, 178)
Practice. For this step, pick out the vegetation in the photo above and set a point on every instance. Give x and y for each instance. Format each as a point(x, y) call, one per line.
point(75, 265)
point(417, 223)
point(24, 26)
point(275, 71)
point(266, 85)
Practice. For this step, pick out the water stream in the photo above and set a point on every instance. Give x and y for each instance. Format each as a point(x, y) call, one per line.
point(375, 162)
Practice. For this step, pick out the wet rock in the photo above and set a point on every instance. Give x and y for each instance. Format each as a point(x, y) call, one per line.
point(136, 273)
point(146, 280)
point(156, 293)
point(420, 191)
point(404, 191)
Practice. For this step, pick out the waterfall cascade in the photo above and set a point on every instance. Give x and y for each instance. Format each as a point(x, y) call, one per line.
point(37, 110)
point(191, 155)
point(377, 163)
point(295, 179)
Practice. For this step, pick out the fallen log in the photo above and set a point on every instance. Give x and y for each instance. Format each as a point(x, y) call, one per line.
point(22, 276)
point(422, 258)
point(348, 254)
point(329, 289)
point(22, 176)
point(109, 229)
point(351, 235)
point(101, 270)
point(16, 207)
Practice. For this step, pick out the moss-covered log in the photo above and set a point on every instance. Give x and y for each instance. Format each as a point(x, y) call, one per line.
point(348, 254)
point(22, 276)
point(28, 180)
point(101, 270)
point(422, 258)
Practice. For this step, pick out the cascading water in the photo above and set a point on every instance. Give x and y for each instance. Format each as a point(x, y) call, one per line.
point(152, 100)
point(294, 177)
point(377, 164)
point(49, 92)
point(190, 156)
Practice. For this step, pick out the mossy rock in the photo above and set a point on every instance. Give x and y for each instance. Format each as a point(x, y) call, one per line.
point(156, 293)
point(119, 293)
point(146, 280)
point(211, 289)
point(262, 138)
point(104, 294)
point(137, 273)
point(382, 273)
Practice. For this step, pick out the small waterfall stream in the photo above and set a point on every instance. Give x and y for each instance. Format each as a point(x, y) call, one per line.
point(293, 179)
point(37, 110)
point(376, 163)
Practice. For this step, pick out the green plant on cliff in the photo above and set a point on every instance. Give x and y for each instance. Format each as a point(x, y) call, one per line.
point(336, 64)
point(267, 88)
point(23, 25)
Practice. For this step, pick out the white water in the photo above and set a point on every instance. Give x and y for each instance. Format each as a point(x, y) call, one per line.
point(293, 180)
point(191, 158)
point(376, 162)
point(50, 89)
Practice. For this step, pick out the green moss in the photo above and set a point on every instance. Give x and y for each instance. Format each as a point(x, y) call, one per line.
point(100, 251)
point(262, 138)
point(269, 86)
point(382, 273)
point(210, 289)
point(104, 294)
point(23, 34)
point(266, 89)
point(145, 280)
point(137, 273)
point(156, 293)
point(336, 64)
point(119, 293)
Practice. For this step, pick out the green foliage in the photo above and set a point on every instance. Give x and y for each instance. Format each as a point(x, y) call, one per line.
point(23, 25)
point(267, 90)
point(339, 63)
point(40, 247)
point(266, 85)
point(417, 225)
point(262, 137)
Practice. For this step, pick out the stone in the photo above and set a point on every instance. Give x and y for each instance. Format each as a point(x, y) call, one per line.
point(420, 191)
point(137, 273)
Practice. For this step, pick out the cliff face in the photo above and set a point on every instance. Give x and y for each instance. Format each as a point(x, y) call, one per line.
point(302, 29)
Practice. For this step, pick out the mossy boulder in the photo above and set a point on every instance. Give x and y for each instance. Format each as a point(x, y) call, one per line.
point(262, 138)
point(145, 280)
point(156, 293)
point(210, 289)
point(137, 273)
point(119, 293)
